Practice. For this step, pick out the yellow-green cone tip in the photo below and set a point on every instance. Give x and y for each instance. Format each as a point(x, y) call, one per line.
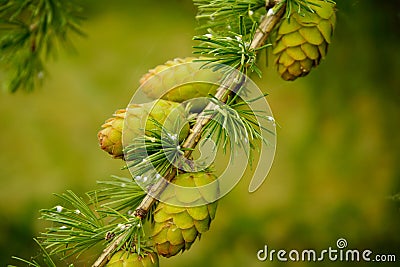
point(110, 137)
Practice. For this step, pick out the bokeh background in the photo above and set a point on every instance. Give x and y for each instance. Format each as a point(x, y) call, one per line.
point(338, 155)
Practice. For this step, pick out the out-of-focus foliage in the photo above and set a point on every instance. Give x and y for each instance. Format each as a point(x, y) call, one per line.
point(338, 154)
point(31, 31)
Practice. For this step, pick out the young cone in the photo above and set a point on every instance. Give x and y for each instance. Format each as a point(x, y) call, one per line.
point(110, 137)
point(165, 112)
point(127, 259)
point(158, 84)
point(177, 227)
point(303, 38)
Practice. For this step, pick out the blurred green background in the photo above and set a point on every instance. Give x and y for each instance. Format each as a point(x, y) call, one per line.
point(338, 154)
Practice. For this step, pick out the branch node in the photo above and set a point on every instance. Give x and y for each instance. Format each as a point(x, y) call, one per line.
point(140, 213)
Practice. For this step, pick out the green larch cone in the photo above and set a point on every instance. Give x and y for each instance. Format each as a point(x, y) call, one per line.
point(177, 227)
point(110, 137)
point(170, 114)
point(127, 259)
point(302, 39)
point(156, 82)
